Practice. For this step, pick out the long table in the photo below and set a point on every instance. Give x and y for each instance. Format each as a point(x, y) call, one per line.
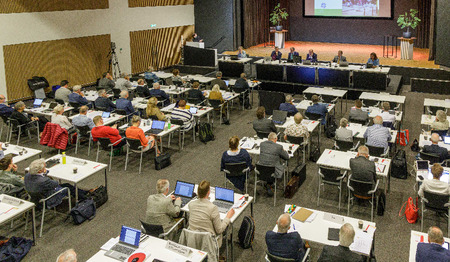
point(45, 110)
point(106, 121)
point(22, 153)
point(427, 120)
point(425, 140)
point(238, 211)
point(329, 92)
point(415, 239)
point(9, 211)
point(358, 131)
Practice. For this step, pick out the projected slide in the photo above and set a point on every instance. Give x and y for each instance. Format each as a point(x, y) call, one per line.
point(348, 8)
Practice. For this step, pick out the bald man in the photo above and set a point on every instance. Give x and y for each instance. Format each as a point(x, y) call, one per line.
point(284, 244)
point(378, 135)
point(67, 256)
point(433, 250)
point(5, 109)
point(434, 148)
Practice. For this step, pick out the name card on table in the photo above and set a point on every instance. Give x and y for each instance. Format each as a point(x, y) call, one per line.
point(177, 248)
point(11, 201)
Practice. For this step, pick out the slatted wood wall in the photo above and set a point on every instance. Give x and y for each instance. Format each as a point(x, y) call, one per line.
point(166, 41)
point(142, 3)
point(28, 6)
point(79, 60)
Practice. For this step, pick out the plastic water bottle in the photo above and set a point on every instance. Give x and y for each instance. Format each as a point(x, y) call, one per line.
point(63, 158)
point(169, 124)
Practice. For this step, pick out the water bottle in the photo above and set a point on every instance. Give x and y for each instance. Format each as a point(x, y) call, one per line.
point(63, 158)
point(169, 124)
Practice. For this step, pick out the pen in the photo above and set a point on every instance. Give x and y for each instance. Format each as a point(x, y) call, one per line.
point(97, 166)
point(293, 214)
point(293, 225)
point(241, 198)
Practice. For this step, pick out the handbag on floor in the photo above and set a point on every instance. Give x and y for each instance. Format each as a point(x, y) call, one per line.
point(83, 210)
point(411, 211)
point(162, 161)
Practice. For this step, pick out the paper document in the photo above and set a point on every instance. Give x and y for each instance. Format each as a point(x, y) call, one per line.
point(380, 167)
point(248, 144)
point(238, 204)
point(311, 217)
point(362, 242)
point(302, 215)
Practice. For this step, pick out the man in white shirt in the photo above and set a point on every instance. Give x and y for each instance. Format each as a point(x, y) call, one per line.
point(387, 117)
point(435, 185)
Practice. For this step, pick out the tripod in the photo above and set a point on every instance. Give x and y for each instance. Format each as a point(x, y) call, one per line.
point(114, 61)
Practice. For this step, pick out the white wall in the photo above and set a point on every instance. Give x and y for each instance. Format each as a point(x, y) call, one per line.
point(117, 21)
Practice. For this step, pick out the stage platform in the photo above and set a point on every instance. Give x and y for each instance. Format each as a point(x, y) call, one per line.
point(355, 53)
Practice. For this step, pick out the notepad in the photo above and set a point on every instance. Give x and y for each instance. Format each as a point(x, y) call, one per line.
point(380, 167)
point(302, 214)
point(362, 243)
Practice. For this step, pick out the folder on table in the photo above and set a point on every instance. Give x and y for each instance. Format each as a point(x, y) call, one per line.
point(302, 214)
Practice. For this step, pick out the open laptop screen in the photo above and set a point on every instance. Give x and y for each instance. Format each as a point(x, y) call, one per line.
point(224, 194)
point(184, 189)
point(193, 110)
point(444, 177)
point(106, 114)
point(130, 236)
point(447, 140)
point(38, 102)
point(156, 124)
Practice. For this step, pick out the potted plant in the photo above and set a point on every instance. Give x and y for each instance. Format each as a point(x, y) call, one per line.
point(408, 21)
point(277, 15)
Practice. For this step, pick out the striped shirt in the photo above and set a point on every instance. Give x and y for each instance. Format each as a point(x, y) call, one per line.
point(378, 136)
point(185, 115)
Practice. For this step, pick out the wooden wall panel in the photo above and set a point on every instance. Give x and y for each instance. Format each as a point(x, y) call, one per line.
point(28, 6)
point(164, 41)
point(142, 3)
point(80, 60)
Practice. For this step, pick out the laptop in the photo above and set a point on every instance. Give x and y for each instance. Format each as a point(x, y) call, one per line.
point(444, 177)
point(224, 199)
point(297, 59)
point(37, 102)
point(193, 110)
point(343, 64)
point(106, 114)
point(422, 165)
point(157, 126)
point(234, 57)
point(446, 140)
point(369, 65)
point(128, 243)
point(227, 82)
point(307, 62)
point(50, 107)
point(279, 117)
point(185, 191)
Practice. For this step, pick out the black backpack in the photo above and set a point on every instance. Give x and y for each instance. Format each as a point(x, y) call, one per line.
point(83, 210)
point(330, 127)
point(205, 132)
point(381, 204)
point(415, 146)
point(247, 232)
point(399, 166)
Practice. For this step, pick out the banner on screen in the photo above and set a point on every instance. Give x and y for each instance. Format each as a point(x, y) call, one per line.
point(348, 8)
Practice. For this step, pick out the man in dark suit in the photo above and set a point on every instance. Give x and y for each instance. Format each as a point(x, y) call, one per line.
point(292, 54)
point(156, 91)
point(104, 101)
point(339, 58)
point(272, 153)
point(196, 38)
point(433, 250)
point(5, 109)
point(284, 244)
point(435, 149)
point(106, 82)
point(311, 56)
point(24, 118)
point(318, 108)
point(195, 93)
point(219, 81)
point(263, 124)
point(242, 86)
point(125, 104)
point(362, 168)
point(341, 253)
point(78, 97)
point(276, 54)
point(142, 88)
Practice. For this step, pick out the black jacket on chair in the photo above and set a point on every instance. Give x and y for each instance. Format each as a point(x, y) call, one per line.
point(338, 253)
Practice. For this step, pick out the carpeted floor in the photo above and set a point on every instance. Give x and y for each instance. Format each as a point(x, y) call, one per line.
point(355, 53)
point(128, 192)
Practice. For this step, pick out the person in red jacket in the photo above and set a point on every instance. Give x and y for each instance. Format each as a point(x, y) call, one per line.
point(112, 133)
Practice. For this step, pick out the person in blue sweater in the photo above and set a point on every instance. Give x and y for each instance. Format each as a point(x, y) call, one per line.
point(276, 54)
point(125, 104)
point(5, 109)
point(236, 155)
point(318, 108)
point(373, 60)
point(288, 106)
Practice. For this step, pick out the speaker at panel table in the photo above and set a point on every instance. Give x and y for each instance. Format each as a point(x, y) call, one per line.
point(196, 41)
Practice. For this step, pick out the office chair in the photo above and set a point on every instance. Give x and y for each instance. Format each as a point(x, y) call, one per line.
point(116, 93)
point(363, 190)
point(329, 99)
point(368, 103)
point(134, 145)
point(359, 121)
point(299, 140)
point(158, 230)
point(345, 145)
point(331, 176)
point(60, 101)
point(83, 132)
point(76, 106)
point(182, 131)
point(218, 106)
point(265, 174)
point(437, 203)
point(313, 116)
point(378, 151)
point(433, 158)
point(236, 169)
point(105, 144)
point(262, 135)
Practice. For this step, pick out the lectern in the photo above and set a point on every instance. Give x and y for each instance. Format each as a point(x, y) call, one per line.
point(406, 47)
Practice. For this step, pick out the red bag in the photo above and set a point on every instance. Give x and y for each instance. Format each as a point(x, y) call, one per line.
point(411, 211)
point(403, 137)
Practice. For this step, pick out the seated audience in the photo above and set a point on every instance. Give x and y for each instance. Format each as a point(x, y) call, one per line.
point(153, 109)
point(378, 135)
point(292, 53)
point(435, 149)
point(103, 101)
point(106, 82)
point(123, 83)
point(311, 56)
point(78, 97)
point(276, 54)
point(362, 168)
point(176, 76)
point(219, 81)
point(156, 91)
point(181, 113)
point(195, 93)
point(297, 129)
point(150, 77)
point(67, 256)
point(242, 86)
point(342, 133)
point(60, 119)
point(341, 252)
point(284, 244)
point(135, 132)
point(373, 60)
point(24, 118)
point(204, 216)
point(162, 208)
point(101, 131)
point(82, 119)
point(5, 109)
point(433, 251)
point(271, 154)
point(387, 117)
point(63, 92)
point(241, 52)
point(357, 113)
point(236, 155)
point(9, 176)
point(339, 58)
point(435, 185)
point(262, 124)
point(288, 106)
point(142, 88)
point(318, 108)
point(215, 94)
point(125, 104)
point(441, 122)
